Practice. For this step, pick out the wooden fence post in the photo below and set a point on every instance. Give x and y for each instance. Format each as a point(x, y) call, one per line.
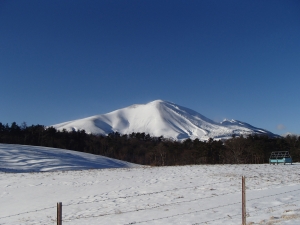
point(243, 201)
point(59, 213)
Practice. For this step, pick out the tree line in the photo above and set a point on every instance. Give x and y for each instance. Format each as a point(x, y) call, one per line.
point(143, 149)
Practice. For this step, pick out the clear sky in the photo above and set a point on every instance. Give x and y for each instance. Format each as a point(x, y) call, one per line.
point(63, 60)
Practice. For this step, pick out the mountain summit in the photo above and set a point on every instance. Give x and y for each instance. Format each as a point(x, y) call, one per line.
point(161, 118)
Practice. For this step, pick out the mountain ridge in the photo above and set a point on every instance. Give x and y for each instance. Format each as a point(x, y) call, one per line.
point(162, 118)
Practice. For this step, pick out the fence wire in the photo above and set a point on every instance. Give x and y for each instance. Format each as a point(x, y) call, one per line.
point(144, 194)
point(153, 207)
point(181, 202)
point(239, 214)
point(32, 211)
point(111, 199)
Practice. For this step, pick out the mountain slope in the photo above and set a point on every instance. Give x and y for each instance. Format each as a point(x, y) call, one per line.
point(161, 118)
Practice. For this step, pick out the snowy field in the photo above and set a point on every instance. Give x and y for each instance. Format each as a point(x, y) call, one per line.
point(204, 194)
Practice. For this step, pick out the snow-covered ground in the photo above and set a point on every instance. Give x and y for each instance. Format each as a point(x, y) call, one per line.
point(190, 195)
point(24, 158)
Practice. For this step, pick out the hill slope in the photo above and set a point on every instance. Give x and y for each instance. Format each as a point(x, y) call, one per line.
point(25, 158)
point(161, 118)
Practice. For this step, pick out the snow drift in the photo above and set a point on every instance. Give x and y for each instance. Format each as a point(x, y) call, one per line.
point(25, 158)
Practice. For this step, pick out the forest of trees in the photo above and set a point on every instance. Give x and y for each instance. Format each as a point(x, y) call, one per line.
point(143, 149)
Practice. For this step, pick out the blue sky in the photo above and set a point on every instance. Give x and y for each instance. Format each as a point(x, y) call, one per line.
point(65, 60)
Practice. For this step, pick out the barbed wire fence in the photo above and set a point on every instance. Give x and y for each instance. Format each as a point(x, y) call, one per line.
point(160, 205)
point(115, 198)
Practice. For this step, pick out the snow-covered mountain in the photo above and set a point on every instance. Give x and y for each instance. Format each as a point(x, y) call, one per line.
point(161, 118)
